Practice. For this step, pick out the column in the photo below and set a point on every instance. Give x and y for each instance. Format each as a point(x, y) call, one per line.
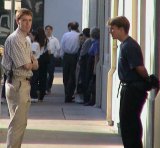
point(114, 10)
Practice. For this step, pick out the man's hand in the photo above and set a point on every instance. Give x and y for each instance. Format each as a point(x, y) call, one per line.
point(154, 81)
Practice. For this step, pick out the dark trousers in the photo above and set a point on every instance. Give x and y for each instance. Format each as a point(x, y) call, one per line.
point(3, 93)
point(42, 80)
point(34, 84)
point(131, 105)
point(69, 67)
point(50, 72)
point(82, 73)
point(89, 76)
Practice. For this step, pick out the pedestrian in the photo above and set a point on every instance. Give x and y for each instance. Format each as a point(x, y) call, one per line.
point(43, 60)
point(69, 26)
point(18, 63)
point(69, 51)
point(78, 89)
point(134, 80)
point(93, 57)
point(34, 80)
point(54, 49)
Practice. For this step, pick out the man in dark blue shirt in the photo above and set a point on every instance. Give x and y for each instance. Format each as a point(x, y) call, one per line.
point(131, 73)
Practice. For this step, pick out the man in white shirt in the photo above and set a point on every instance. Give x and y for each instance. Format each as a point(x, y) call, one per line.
point(69, 50)
point(54, 49)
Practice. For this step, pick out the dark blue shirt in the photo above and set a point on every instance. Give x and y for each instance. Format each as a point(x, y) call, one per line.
point(130, 56)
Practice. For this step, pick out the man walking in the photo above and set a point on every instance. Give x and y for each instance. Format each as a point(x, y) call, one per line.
point(18, 63)
point(54, 49)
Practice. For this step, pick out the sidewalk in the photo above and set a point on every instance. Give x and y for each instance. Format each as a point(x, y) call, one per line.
point(54, 124)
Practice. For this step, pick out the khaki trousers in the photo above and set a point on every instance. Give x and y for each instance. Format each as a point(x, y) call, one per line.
point(18, 100)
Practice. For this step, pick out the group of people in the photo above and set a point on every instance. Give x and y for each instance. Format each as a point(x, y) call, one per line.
point(80, 54)
point(23, 65)
point(45, 47)
point(28, 62)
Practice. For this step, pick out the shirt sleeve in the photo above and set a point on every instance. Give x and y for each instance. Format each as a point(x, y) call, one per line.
point(134, 56)
point(93, 49)
point(57, 45)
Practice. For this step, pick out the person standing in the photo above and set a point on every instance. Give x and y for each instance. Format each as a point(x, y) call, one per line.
point(69, 26)
point(93, 58)
point(34, 80)
point(43, 60)
point(18, 63)
point(135, 83)
point(69, 50)
point(54, 49)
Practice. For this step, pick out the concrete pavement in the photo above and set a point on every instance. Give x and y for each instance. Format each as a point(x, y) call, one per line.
point(54, 124)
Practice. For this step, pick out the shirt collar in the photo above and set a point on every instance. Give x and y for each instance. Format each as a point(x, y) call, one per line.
point(126, 39)
point(21, 33)
point(51, 37)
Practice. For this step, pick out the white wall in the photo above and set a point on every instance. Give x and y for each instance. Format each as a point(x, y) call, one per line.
point(59, 12)
point(93, 20)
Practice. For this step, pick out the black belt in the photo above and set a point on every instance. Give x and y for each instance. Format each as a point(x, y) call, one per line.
point(122, 84)
point(70, 54)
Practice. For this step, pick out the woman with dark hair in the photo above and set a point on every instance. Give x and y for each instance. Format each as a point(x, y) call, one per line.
point(43, 62)
point(34, 80)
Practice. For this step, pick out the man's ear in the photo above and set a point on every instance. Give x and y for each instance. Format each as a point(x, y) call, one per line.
point(17, 21)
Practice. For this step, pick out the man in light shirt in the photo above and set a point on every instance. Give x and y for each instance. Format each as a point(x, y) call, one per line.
point(69, 52)
point(18, 63)
point(54, 49)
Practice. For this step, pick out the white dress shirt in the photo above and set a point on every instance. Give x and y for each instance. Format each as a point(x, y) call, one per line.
point(54, 46)
point(70, 43)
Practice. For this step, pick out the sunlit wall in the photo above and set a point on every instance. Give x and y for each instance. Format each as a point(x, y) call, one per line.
point(85, 14)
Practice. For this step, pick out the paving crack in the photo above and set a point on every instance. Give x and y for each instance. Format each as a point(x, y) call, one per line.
point(63, 113)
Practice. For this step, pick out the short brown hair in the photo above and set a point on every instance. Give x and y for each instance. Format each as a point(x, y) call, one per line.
point(23, 11)
point(119, 21)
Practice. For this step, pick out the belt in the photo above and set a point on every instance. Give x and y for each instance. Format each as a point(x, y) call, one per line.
point(122, 84)
point(70, 54)
point(22, 78)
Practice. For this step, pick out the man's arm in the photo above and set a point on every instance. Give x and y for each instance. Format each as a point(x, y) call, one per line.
point(142, 71)
point(152, 80)
point(33, 65)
